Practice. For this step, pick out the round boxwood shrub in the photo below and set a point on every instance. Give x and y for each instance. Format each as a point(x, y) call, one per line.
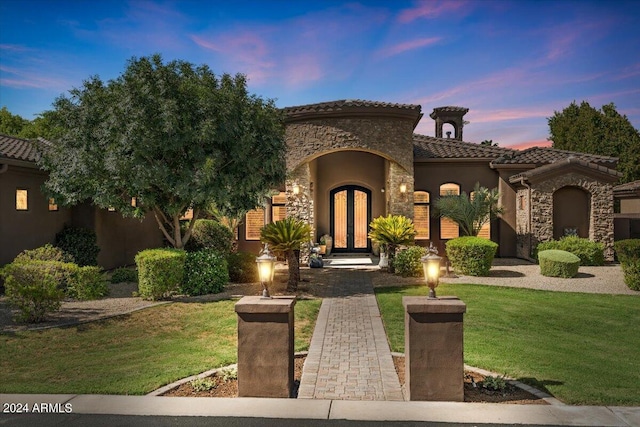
point(210, 234)
point(470, 255)
point(557, 263)
point(242, 267)
point(205, 272)
point(160, 272)
point(81, 243)
point(628, 252)
point(47, 252)
point(407, 262)
point(589, 252)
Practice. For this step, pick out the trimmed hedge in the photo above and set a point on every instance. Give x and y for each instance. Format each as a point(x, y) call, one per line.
point(628, 252)
point(160, 272)
point(120, 275)
point(47, 252)
point(407, 262)
point(205, 272)
point(210, 234)
point(589, 252)
point(470, 255)
point(81, 243)
point(242, 267)
point(32, 289)
point(557, 263)
point(87, 283)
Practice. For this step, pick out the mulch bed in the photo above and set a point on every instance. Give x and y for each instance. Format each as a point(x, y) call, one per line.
point(512, 394)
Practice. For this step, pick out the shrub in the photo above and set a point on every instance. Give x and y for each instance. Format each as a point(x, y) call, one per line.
point(120, 275)
point(557, 263)
point(628, 252)
point(209, 234)
point(81, 243)
point(87, 283)
point(32, 289)
point(471, 255)
point(590, 253)
point(392, 231)
point(242, 267)
point(205, 272)
point(47, 252)
point(407, 262)
point(160, 272)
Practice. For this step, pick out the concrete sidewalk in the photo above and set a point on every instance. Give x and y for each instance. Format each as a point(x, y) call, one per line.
point(316, 409)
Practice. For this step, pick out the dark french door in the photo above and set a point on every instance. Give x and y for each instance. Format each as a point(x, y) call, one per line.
point(350, 217)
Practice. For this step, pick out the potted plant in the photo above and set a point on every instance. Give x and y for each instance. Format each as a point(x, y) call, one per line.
point(384, 258)
point(323, 245)
point(329, 242)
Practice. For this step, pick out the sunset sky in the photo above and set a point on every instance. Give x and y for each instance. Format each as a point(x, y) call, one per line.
point(512, 63)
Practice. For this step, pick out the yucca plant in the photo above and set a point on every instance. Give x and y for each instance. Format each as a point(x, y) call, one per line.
point(285, 237)
point(470, 213)
point(392, 231)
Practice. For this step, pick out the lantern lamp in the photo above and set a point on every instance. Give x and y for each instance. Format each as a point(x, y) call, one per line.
point(266, 269)
point(431, 269)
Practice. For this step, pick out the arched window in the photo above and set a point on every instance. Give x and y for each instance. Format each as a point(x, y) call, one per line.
point(448, 228)
point(421, 214)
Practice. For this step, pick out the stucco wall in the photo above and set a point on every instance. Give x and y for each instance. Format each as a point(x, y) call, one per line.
point(20, 230)
point(629, 205)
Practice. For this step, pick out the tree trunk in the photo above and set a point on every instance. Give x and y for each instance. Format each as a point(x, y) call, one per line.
point(294, 271)
point(392, 255)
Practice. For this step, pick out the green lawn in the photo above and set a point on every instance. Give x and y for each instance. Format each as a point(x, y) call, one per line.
point(583, 348)
point(133, 354)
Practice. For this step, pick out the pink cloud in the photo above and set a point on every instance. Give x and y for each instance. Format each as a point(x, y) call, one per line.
point(628, 72)
point(22, 78)
point(490, 116)
point(408, 45)
point(430, 9)
point(529, 144)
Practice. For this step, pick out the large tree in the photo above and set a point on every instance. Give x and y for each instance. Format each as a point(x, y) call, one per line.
point(605, 132)
point(173, 135)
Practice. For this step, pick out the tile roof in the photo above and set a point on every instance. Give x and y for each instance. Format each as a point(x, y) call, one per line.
point(429, 147)
point(562, 164)
point(448, 109)
point(20, 149)
point(629, 186)
point(346, 105)
point(544, 155)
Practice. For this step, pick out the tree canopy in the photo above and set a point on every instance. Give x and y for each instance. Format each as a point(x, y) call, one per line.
point(604, 132)
point(173, 135)
point(16, 125)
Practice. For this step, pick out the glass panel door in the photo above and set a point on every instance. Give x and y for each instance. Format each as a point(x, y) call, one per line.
point(360, 219)
point(350, 218)
point(340, 219)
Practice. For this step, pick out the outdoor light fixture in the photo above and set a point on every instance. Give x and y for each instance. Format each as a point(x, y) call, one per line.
point(296, 189)
point(431, 268)
point(403, 187)
point(266, 269)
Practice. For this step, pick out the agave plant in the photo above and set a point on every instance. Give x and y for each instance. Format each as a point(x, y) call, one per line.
point(285, 237)
point(470, 213)
point(392, 231)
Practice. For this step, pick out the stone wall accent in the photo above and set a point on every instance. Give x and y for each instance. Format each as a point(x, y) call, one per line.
point(301, 205)
point(600, 218)
point(399, 203)
point(523, 227)
point(391, 138)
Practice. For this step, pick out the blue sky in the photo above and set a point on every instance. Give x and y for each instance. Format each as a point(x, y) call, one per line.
point(513, 63)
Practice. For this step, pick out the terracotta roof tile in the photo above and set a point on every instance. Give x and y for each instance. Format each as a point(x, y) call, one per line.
point(446, 109)
point(20, 149)
point(542, 155)
point(629, 186)
point(563, 163)
point(429, 147)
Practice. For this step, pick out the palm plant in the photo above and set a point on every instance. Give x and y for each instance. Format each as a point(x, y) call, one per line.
point(285, 237)
point(392, 231)
point(470, 213)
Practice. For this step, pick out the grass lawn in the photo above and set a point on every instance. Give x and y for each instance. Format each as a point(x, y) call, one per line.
point(582, 348)
point(132, 354)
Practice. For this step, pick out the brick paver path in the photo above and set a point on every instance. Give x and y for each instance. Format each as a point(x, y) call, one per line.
point(349, 357)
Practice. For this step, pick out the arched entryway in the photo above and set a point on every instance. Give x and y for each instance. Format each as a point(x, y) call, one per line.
point(571, 208)
point(350, 215)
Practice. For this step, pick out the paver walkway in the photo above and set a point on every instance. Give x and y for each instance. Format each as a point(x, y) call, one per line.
point(349, 357)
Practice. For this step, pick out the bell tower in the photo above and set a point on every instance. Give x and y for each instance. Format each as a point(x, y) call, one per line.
point(449, 115)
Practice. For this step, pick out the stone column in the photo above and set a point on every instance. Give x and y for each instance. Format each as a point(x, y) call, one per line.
point(433, 345)
point(265, 346)
point(301, 205)
point(399, 203)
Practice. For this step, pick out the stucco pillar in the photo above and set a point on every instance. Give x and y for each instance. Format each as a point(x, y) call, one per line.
point(265, 346)
point(399, 203)
point(433, 345)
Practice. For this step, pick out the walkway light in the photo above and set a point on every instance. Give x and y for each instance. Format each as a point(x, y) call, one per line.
point(431, 268)
point(266, 269)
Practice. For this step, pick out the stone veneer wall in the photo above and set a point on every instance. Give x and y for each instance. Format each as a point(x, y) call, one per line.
point(600, 217)
point(397, 202)
point(301, 205)
point(523, 227)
